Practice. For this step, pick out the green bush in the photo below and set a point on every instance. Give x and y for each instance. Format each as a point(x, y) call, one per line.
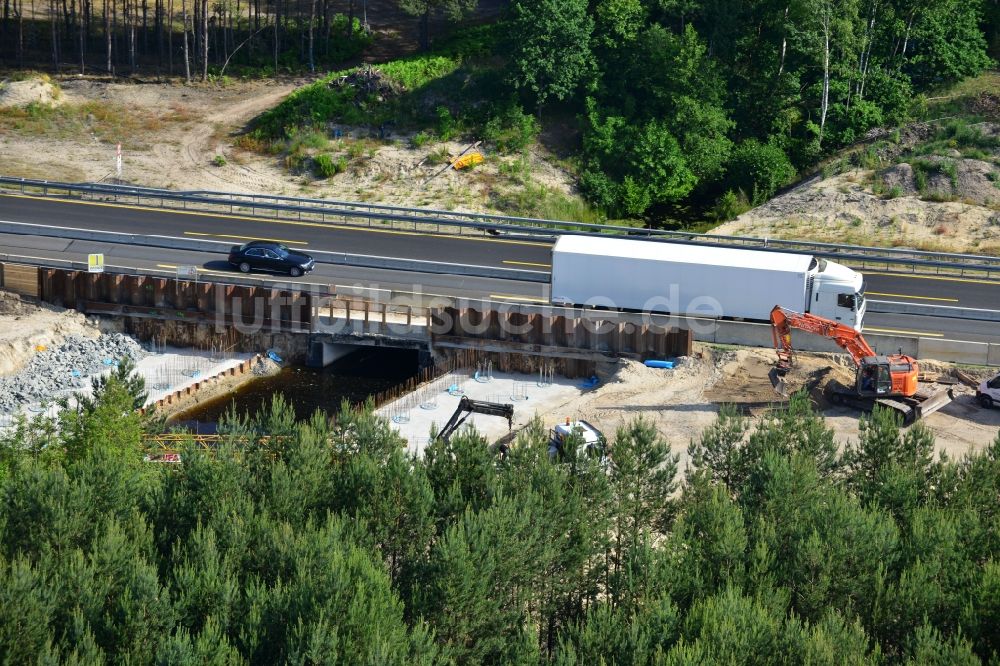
point(324, 166)
point(446, 128)
point(760, 168)
point(420, 139)
point(219, 161)
point(511, 130)
point(730, 206)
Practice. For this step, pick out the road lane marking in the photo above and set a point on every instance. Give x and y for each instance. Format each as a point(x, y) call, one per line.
point(321, 225)
point(250, 238)
point(995, 283)
point(526, 263)
point(512, 297)
point(255, 276)
point(921, 298)
point(919, 334)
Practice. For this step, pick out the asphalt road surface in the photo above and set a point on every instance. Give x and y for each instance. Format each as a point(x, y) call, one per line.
point(925, 291)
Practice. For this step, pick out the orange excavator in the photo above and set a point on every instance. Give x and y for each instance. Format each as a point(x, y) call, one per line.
point(891, 381)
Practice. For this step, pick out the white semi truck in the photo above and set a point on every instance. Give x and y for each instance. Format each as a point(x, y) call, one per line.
point(702, 281)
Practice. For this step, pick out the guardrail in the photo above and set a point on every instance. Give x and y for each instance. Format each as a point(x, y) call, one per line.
point(439, 221)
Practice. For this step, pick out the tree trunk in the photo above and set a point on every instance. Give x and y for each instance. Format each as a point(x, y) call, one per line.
point(170, 37)
point(107, 33)
point(6, 23)
point(134, 45)
point(204, 40)
point(81, 32)
point(19, 11)
point(158, 29)
point(350, 20)
point(277, 33)
point(312, 21)
point(866, 55)
point(906, 39)
point(825, 103)
point(425, 30)
point(784, 42)
point(187, 59)
point(54, 11)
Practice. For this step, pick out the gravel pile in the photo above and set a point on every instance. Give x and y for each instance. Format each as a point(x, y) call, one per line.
point(56, 372)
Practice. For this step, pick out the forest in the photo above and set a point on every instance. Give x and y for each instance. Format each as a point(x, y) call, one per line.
point(321, 542)
point(674, 105)
point(707, 106)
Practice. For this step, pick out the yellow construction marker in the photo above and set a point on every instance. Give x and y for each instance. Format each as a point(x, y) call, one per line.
point(526, 263)
point(919, 298)
point(249, 238)
point(920, 334)
point(321, 225)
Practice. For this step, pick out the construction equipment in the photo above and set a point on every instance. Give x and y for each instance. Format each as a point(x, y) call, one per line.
point(988, 393)
point(467, 406)
point(891, 381)
point(590, 439)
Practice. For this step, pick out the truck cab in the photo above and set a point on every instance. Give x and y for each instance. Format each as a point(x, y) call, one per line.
point(988, 393)
point(590, 440)
point(838, 294)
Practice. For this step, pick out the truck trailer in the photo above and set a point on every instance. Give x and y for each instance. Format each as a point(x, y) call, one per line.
point(701, 281)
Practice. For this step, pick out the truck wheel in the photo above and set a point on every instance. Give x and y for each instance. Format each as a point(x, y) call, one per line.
point(244, 267)
point(986, 401)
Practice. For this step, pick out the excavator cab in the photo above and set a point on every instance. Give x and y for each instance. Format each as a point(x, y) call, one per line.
point(874, 377)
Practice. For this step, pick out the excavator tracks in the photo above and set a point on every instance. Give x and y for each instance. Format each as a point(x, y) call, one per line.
point(929, 398)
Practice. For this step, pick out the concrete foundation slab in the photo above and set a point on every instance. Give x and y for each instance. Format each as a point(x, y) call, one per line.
point(413, 415)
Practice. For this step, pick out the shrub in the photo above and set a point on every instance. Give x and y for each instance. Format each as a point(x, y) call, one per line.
point(219, 161)
point(511, 130)
point(439, 156)
point(760, 168)
point(420, 139)
point(323, 166)
point(730, 206)
point(445, 123)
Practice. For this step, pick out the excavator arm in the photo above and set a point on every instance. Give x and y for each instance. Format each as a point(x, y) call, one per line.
point(784, 320)
point(467, 406)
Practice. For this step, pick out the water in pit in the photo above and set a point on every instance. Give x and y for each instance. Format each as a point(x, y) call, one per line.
point(358, 375)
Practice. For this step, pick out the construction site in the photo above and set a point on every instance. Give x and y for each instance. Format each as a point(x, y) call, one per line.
point(681, 397)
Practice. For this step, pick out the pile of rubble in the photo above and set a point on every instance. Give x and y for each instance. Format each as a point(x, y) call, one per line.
point(55, 373)
point(369, 82)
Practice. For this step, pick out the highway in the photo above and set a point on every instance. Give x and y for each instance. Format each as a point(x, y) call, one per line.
point(491, 252)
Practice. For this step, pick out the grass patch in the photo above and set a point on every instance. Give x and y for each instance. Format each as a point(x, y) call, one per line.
point(110, 123)
point(439, 156)
point(962, 135)
point(542, 202)
point(400, 96)
point(420, 139)
point(325, 166)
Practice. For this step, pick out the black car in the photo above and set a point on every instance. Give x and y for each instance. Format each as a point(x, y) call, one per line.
point(269, 256)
